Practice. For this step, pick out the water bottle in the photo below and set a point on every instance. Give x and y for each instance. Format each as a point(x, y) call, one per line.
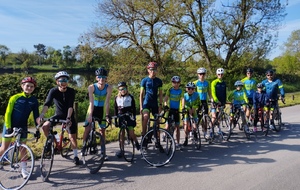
point(191, 135)
point(57, 138)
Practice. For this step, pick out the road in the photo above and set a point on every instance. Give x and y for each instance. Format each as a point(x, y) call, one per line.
point(260, 163)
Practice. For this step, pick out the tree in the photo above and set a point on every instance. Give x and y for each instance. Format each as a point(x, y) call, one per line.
point(68, 57)
point(41, 52)
point(292, 45)
point(4, 52)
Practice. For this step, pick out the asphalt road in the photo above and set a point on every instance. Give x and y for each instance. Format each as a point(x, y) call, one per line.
point(260, 163)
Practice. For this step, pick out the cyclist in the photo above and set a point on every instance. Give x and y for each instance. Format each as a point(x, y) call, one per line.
point(125, 103)
point(249, 86)
point(218, 93)
point(190, 103)
point(99, 98)
point(17, 113)
point(272, 86)
point(63, 98)
point(259, 101)
point(151, 90)
point(238, 97)
point(203, 90)
point(172, 99)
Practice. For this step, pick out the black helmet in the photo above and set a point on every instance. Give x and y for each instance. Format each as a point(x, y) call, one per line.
point(249, 70)
point(101, 72)
point(270, 71)
point(122, 84)
point(259, 85)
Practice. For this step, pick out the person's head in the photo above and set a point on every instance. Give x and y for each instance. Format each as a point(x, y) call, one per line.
point(28, 85)
point(122, 87)
point(190, 87)
point(152, 69)
point(249, 72)
point(101, 75)
point(270, 74)
point(62, 78)
point(220, 72)
point(259, 87)
point(238, 85)
point(175, 81)
point(201, 73)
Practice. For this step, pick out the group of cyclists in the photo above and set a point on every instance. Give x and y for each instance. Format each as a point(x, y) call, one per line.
point(196, 94)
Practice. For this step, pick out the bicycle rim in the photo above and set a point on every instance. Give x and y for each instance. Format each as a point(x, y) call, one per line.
point(65, 144)
point(11, 167)
point(46, 161)
point(197, 139)
point(126, 145)
point(154, 154)
point(277, 122)
point(93, 158)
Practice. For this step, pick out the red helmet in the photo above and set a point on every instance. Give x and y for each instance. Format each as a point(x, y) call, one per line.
point(29, 79)
point(152, 65)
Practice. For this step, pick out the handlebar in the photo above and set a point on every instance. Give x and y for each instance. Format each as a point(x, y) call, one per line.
point(17, 131)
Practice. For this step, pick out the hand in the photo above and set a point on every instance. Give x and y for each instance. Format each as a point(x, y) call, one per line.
point(166, 107)
point(68, 121)
point(283, 99)
point(108, 119)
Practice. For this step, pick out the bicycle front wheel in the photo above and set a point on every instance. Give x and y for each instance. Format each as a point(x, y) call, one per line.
point(16, 167)
point(65, 144)
point(93, 157)
point(277, 121)
point(155, 151)
point(47, 159)
point(126, 145)
point(197, 139)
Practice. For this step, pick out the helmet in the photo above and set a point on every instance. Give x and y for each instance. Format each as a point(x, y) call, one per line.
point(61, 74)
point(152, 65)
point(190, 85)
point(175, 79)
point(29, 79)
point(259, 85)
point(220, 71)
point(101, 72)
point(238, 83)
point(201, 70)
point(249, 70)
point(122, 84)
point(270, 71)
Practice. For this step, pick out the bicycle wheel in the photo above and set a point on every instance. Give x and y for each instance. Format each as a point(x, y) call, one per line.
point(197, 138)
point(94, 156)
point(158, 153)
point(224, 125)
point(47, 159)
point(16, 167)
point(65, 144)
point(126, 145)
point(277, 120)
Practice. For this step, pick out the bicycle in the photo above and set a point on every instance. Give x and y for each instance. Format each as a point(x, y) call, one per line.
point(155, 151)
point(222, 121)
point(205, 119)
point(194, 134)
point(126, 143)
point(17, 162)
point(53, 145)
point(276, 115)
point(261, 118)
point(93, 152)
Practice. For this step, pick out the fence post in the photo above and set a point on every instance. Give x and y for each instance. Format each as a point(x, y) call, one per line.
point(75, 107)
point(293, 97)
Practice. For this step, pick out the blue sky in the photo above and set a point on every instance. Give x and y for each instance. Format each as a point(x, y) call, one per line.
point(57, 23)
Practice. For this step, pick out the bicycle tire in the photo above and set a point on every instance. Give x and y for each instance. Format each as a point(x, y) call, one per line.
point(277, 121)
point(197, 139)
point(126, 144)
point(94, 156)
point(224, 123)
point(210, 128)
point(65, 143)
point(47, 159)
point(11, 167)
point(151, 151)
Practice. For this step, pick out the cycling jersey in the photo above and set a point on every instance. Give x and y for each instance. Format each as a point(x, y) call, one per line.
point(18, 110)
point(259, 99)
point(151, 87)
point(175, 96)
point(272, 88)
point(191, 101)
point(99, 95)
point(218, 91)
point(125, 104)
point(202, 89)
point(239, 97)
point(250, 86)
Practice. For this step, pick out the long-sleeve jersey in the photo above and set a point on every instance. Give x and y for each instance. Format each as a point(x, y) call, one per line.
point(238, 97)
point(272, 88)
point(124, 104)
point(259, 99)
point(218, 91)
point(18, 110)
point(250, 86)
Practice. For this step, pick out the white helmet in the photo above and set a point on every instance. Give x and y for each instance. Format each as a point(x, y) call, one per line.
point(201, 70)
point(61, 74)
point(238, 83)
point(175, 79)
point(220, 71)
point(190, 85)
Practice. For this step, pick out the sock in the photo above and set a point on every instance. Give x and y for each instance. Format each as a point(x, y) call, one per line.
point(75, 152)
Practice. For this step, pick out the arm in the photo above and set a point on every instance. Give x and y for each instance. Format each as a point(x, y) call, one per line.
point(91, 104)
point(213, 91)
point(115, 106)
point(142, 94)
point(133, 107)
point(160, 97)
point(9, 109)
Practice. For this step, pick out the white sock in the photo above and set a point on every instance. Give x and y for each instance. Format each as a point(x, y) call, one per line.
point(75, 152)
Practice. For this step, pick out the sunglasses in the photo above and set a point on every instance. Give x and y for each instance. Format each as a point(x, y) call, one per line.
point(269, 75)
point(249, 73)
point(175, 82)
point(63, 80)
point(220, 74)
point(120, 89)
point(201, 73)
point(101, 77)
point(154, 70)
point(190, 88)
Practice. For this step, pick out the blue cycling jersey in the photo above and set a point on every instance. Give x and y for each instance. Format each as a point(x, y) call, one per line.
point(250, 86)
point(202, 89)
point(272, 88)
point(175, 96)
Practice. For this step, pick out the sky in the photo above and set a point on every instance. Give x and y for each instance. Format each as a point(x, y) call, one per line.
point(57, 23)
